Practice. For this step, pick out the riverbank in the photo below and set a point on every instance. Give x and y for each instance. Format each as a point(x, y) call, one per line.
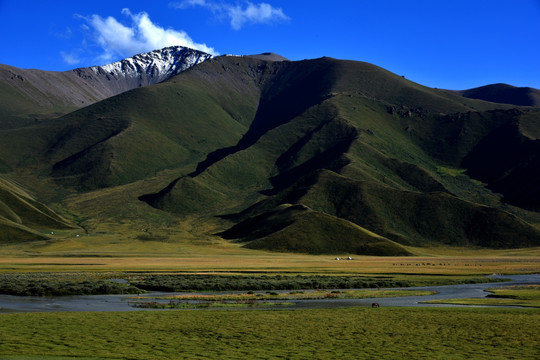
point(110, 303)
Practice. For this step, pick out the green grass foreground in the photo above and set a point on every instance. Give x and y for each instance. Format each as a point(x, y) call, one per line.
point(352, 333)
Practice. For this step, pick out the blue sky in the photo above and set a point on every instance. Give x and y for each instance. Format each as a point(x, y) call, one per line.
point(455, 44)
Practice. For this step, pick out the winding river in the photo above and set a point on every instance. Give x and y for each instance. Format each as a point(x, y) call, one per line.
point(9, 303)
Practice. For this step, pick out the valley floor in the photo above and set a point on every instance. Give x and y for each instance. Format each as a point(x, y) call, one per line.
point(252, 261)
point(346, 333)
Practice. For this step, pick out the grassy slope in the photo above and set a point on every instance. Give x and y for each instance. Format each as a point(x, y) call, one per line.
point(28, 96)
point(352, 124)
point(138, 133)
point(298, 229)
point(503, 93)
point(238, 130)
point(21, 103)
point(389, 199)
point(506, 159)
point(23, 218)
point(415, 218)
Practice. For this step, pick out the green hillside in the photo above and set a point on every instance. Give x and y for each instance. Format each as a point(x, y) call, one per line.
point(315, 156)
point(390, 157)
point(295, 228)
point(506, 94)
point(24, 219)
point(28, 96)
point(415, 218)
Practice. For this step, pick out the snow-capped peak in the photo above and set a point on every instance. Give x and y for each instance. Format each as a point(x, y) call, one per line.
point(155, 66)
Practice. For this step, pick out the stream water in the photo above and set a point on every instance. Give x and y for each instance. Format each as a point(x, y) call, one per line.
point(9, 303)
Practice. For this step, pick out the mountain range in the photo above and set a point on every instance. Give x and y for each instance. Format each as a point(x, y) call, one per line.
point(30, 95)
point(313, 156)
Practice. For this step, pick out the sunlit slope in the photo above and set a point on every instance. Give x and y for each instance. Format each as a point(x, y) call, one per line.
point(23, 218)
point(138, 133)
point(394, 140)
point(297, 228)
point(315, 156)
point(28, 96)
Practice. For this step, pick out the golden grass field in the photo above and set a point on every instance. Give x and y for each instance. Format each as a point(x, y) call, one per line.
point(88, 253)
point(188, 245)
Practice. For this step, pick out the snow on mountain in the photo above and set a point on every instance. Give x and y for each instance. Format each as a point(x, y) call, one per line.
point(69, 90)
point(153, 67)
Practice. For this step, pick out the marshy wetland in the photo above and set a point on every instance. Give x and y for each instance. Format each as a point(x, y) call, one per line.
point(462, 292)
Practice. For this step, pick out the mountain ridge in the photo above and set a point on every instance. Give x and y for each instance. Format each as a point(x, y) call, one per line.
point(207, 173)
point(256, 142)
point(505, 94)
point(151, 67)
point(29, 95)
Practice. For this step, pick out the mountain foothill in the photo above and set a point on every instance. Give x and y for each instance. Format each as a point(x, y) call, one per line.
point(319, 156)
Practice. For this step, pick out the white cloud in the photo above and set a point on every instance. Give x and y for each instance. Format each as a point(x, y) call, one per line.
point(187, 3)
point(142, 35)
point(70, 59)
point(239, 15)
point(261, 13)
